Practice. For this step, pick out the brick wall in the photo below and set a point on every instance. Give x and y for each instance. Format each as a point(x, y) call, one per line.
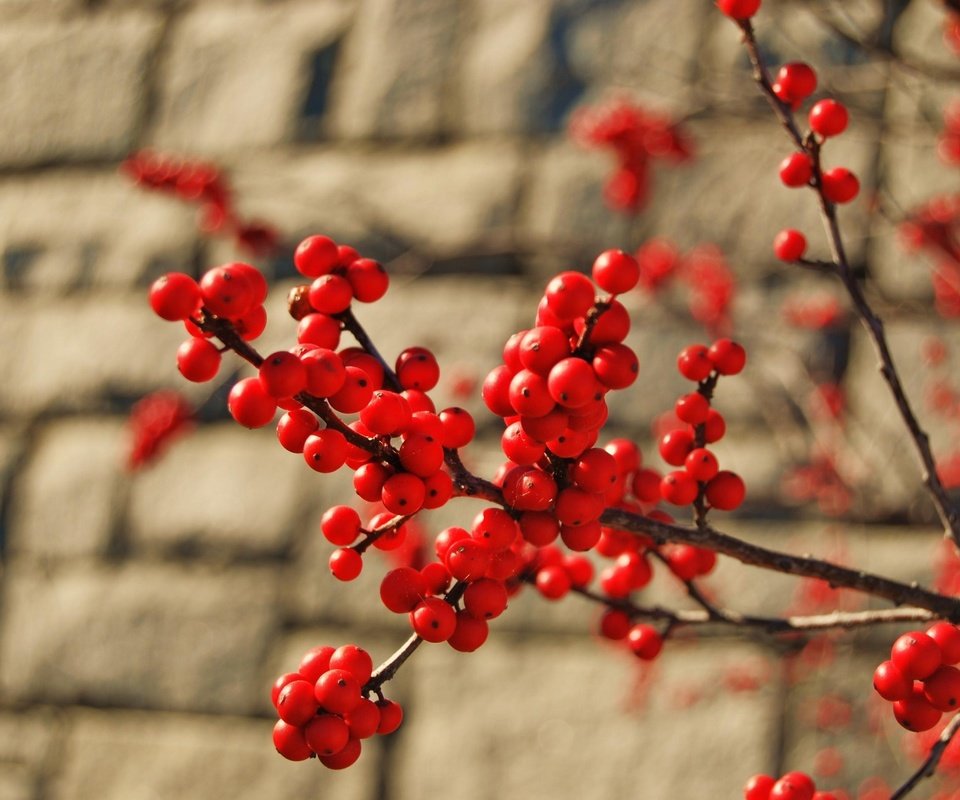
point(142, 618)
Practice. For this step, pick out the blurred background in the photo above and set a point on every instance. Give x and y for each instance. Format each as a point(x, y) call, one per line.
point(145, 611)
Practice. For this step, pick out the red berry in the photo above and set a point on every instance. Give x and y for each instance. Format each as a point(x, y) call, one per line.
point(495, 529)
point(614, 624)
point(469, 634)
point(296, 703)
point(283, 374)
point(739, 9)
point(345, 758)
point(828, 118)
point(174, 296)
point(290, 742)
point(726, 491)
point(496, 391)
point(595, 470)
point(758, 788)
point(583, 537)
point(345, 564)
point(789, 245)
point(198, 359)
point(326, 734)
point(315, 662)
point(616, 366)
point(676, 445)
point(793, 786)
point(368, 279)
point(616, 272)
point(916, 714)
point(354, 660)
point(458, 427)
point(541, 347)
point(692, 408)
point(295, 427)
point(364, 720)
point(796, 81)
point(330, 294)
point(947, 637)
point(553, 582)
point(250, 405)
point(467, 560)
point(529, 394)
point(337, 691)
point(391, 716)
point(916, 655)
point(645, 642)
point(316, 256)
point(890, 683)
point(355, 393)
point(715, 427)
point(572, 383)
point(433, 620)
point(701, 464)
point(485, 598)
point(679, 488)
point(728, 357)
point(387, 413)
point(227, 291)
point(402, 589)
point(403, 493)
point(325, 451)
point(282, 681)
point(319, 329)
point(942, 689)
point(569, 295)
point(694, 363)
point(840, 185)
point(645, 485)
point(417, 368)
point(796, 170)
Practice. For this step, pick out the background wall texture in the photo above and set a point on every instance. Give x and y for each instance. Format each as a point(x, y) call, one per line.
point(143, 617)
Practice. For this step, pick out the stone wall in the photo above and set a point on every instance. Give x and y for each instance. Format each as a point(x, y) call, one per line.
point(143, 617)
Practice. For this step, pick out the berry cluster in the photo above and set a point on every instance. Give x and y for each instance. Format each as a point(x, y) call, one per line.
point(154, 421)
point(325, 708)
point(204, 184)
point(703, 270)
point(792, 786)
point(637, 137)
point(919, 678)
point(827, 118)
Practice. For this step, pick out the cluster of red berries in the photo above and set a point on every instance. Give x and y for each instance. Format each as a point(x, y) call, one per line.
point(700, 477)
point(154, 421)
point(637, 137)
point(792, 786)
point(919, 678)
point(795, 82)
point(325, 709)
point(934, 228)
point(202, 183)
point(703, 270)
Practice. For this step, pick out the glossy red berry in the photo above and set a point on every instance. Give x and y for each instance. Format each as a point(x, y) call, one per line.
point(796, 81)
point(728, 357)
point(616, 272)
point(337, 691)
point(616, 366)
point(828, 118)
point(942, 689)
point(316, 256)
point(417, 368)
point(916, 714)
point(701, 464)
point(485, 598)
point(793, 786)
point(553, 582)
point(676, 445)
point(569, 295)
point(694, 363)
point(330, 294)
point(345, 564)
point(345, 758)
point(315, 662)
point(227, 292)
point(679, 488)
point(890, 683)
point(469, 633)
point(174, 297)
point(355, 393)
point(789, 245)
point(433, 620)
point(645, 642)
point(796, 170)
point(947, 637)
point(325, 450)
point(295, 427)
point(726, 491)
point(250, 405)
point(645, 485)
point(290, 742)
point(354, 660)
point(758, 788)
point(692, 408)
point(468, 559)
point(326, 734)
point(368, 280)
point(296, 703)
point(458, 427)
point(283, 374)
point(403, 493)
point(916, 655)
point(319, 329)
point(572, 383)
point(840, 185)
point(198, 359)
point(739, 9)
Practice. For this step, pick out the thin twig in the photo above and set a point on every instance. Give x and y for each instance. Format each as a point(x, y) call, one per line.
point(948, 513)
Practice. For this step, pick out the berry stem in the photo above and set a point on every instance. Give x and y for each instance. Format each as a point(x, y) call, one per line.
point(352, 324)
point(947, 511)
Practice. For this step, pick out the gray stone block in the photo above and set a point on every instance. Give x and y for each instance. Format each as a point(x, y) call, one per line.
point(67, 230)
point(66, 503)
point(139, 636)
point(235, 75)
point(222, 489)
point(394, 70)
point(101, 343)
point(551, 717)
point(71, 89)
point(138, 756)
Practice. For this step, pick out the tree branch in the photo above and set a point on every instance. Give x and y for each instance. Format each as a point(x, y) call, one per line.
point(929, 767)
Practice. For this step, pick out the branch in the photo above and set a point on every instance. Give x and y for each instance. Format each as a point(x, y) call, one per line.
point(929, 766)
point(949, 515)
point(352, 324)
